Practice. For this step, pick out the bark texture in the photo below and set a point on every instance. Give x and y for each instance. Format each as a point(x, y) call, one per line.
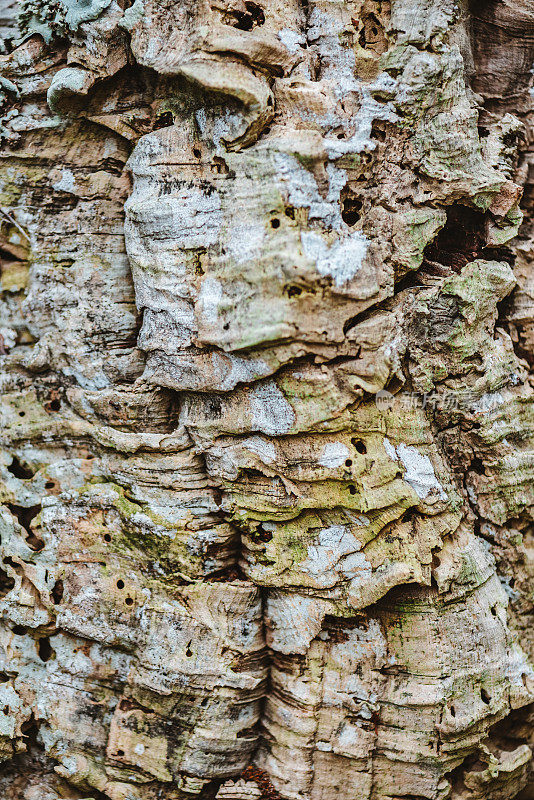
point(266, 337)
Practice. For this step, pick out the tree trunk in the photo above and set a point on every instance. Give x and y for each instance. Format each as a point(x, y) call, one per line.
point(266, 337)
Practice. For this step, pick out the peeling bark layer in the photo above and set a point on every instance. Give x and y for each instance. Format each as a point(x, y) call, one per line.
point(266, 351)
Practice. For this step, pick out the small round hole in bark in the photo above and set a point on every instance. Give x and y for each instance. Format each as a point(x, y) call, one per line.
point(348, 462)
point(19, 630)
point(107, 537)
point(359, 446)
point(120, 753)
point(485, 697)
point(196, 152)
point(352, 489)
point(57, 592)
point(44, 649)
point(120, 584)
point(55, 405)
point(22, 413)
point(129, 601)
point(275, 223)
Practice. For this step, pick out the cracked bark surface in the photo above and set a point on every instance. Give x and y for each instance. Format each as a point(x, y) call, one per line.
point(266, 350)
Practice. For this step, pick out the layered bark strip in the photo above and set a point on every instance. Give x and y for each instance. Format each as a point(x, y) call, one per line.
point(266, 351)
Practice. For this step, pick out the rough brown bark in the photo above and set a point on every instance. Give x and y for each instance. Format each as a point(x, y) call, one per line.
point(266, 350)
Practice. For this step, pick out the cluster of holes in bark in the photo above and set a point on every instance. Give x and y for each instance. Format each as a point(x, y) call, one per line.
point(163, 120)
point(378, 131)
point(252, 17)
point(351, 206)
point(120, 585)
point(53, 403)
point(219, 166)
point(263, 535)
point(372, 36)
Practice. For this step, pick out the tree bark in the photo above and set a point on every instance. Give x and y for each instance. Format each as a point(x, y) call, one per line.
point(266, 350)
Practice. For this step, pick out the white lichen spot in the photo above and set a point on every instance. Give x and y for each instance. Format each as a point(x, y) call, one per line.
point(390, 450)
point(209, 300)
point(244, 242)
point(219, 127)
point(334, 555)
point(341, 260)
point(333, 455)
point(270, 411)
point(9, 338)
point(231, 369)
point(419, 470)
point(139, 749)
point(303, 192)
point(132, 16)
point(488, 402)
point(361, 139)
point(262, 448)
point(292, 40)
point(337, 61)
point(66, 183)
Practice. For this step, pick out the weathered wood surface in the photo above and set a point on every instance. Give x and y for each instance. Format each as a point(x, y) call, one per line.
point(266, 349)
